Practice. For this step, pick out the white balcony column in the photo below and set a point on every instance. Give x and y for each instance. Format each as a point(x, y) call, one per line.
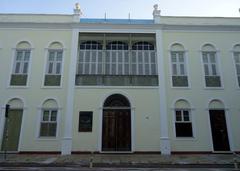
point(68, 118)
point(164, 137)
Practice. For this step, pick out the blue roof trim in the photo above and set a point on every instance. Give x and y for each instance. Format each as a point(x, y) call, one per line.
point(116, 21)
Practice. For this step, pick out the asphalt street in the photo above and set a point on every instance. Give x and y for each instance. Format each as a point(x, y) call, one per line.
point(113, 169)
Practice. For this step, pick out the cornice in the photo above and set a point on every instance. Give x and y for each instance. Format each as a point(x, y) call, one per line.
point(109, 26)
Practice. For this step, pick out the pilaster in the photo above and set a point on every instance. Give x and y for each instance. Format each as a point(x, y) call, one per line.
point(68, 120)
point(164, 137)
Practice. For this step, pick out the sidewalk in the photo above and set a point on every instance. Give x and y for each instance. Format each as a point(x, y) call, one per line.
point(120, 160)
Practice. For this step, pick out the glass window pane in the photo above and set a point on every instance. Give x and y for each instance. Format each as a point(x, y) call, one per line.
point(186, 115)
point(174, 69)
point(180, 57)
point(27, 56)
point(126, 69)
point(238, 69)
point(25, 67)
point(52, 129)
point(205, 58)
point(173, 57)
point(99, 71)
point(214, 69)
point(147, 72)
point(153, 67)
point(140, 58)
point(140, 69)
point(53, 115)
point(120, 69)
point(182, 69)
point(100, 59)
point(107, 69)
point(153, 57)
point(50, 68)
point(134, 69)
point(58, 68)
point(93, 68)
point(206, 69)
point(87, 56)
point(80, 68)
point(114, 57)
point(114, 69)
point(19, 55)
point(212, 58)
point(87, 68)
point(44, 129)
point(59, 56)
point(237, 57)
point(51, 56)
point(81, 56)
point(17, 68)
point(178, 115)
point(45, 115)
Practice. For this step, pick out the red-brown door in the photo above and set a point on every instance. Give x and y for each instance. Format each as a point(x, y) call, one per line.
point(219, 130)
point(116, 132)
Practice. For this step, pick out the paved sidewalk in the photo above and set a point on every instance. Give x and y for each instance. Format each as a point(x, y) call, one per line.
point(119, 160)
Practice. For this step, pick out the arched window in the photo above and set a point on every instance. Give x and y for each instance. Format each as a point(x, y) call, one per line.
point(210, 65)
point(20, 70)
point(183, 119)
point(116, 100)
point(90, 58)
point(53, 70)
point(117, 58)
point(179, 66)
point(236, 55)
point(49, 119)
point(91, 45)
point(143, 59)
point(117, 45)
point(142, 46)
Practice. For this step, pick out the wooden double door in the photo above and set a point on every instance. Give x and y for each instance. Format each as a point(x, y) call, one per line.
point(219, 130)
point(116, 130)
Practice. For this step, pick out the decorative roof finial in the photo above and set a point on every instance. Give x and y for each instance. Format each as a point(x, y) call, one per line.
point(156, 11)
point(77, 9)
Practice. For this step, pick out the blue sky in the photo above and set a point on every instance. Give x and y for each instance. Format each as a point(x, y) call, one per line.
point(120, 9)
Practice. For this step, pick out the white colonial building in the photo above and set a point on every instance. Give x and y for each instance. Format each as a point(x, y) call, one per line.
point(166, 85)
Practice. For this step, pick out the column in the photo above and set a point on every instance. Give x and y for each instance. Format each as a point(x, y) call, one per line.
point(164, 138)
point(68, 120)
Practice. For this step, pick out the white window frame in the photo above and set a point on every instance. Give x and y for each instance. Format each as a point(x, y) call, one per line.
point(235, 66)
point(14, 56)
point(45, 68)
point(218, 65)
point(191, 120)
point(178, 63)
point(41, 121)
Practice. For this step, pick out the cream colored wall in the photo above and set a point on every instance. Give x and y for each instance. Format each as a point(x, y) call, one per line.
point(34, 94)
point(35, 18)
point(197, 95)
point(145, 103)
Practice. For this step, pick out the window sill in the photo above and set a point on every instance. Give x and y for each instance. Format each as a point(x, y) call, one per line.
point(181, 88)
point(47, 139)
point(51, 87)
point(185, 139)
point(213, 88)
point(17, 87)
point(116, 87)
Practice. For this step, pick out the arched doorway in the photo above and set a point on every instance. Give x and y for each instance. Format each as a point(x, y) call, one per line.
point(116, 127)
point(12, 126)
point(218, 123)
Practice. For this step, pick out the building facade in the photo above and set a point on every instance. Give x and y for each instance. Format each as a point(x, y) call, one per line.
point(167, 85)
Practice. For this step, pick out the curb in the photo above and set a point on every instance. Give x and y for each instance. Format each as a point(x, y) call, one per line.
point(118, 165)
